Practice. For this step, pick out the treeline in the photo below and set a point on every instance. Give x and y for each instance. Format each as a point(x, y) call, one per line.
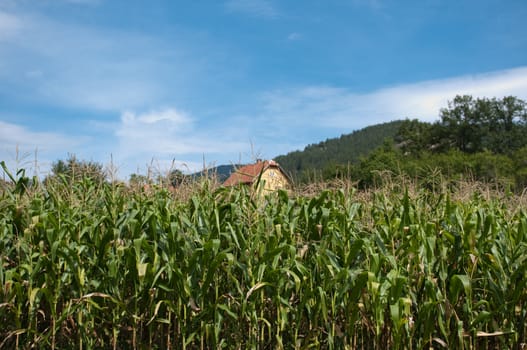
point(470, 126)
point(479, 139)
point(73, 170)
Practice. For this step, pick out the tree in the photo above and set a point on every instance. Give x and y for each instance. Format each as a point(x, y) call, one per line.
point(520, 161)
point(383, 159)
point(414, 136)
point(462, 124)
point(509, 125)
point(73, 170)
point(477, 125)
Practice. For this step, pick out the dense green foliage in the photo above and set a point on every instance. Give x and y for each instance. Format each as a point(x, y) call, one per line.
point(72, 170)
point(470, 126)
point(95, 265)
point(504, 172)
point(343, 150)
point(481, 139)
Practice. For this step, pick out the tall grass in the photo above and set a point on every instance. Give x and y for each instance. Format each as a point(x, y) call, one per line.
point(102, 266)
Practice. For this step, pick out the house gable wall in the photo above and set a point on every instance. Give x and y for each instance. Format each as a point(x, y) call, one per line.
point(274, 179)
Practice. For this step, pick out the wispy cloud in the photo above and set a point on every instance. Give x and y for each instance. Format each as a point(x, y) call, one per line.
point(9, 25)
point(94, 68)
point(294, 36)
point(170, 133)
point(255, 8)
point(340, 108)
point(15, 136)
point(155, 132)
point(84, 2)
point(19, 145)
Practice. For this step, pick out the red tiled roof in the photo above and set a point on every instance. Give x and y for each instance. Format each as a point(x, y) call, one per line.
point(249, 173)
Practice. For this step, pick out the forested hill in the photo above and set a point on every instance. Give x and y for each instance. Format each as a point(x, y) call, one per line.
point(480, 139)
point(345, 149)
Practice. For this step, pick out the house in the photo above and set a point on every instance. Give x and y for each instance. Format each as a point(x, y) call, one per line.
point(267, 173)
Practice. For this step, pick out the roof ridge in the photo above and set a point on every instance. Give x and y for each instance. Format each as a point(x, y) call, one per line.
point(249, 172)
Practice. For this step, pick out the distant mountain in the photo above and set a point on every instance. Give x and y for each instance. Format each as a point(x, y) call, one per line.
point(222, 172)
point(345, 149)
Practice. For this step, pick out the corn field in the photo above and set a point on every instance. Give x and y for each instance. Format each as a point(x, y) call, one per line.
point(92, 266)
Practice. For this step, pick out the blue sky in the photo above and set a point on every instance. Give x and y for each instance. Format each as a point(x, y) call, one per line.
point(167, 83)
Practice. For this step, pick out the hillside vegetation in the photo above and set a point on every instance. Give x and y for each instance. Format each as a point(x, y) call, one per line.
point(346, 149)
point(475, 138)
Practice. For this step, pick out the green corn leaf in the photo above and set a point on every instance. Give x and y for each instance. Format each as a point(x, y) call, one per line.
point(459, 284)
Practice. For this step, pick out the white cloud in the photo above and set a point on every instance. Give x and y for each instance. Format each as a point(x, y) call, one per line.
point(9, 25)
point(170, 115)
point(168, 132)
point(168, 138)
point(323, 106)
point(14, 135)
point(256, 8)
point(19, 145)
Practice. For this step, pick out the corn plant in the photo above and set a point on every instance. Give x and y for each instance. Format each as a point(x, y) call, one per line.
point(97, 265)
